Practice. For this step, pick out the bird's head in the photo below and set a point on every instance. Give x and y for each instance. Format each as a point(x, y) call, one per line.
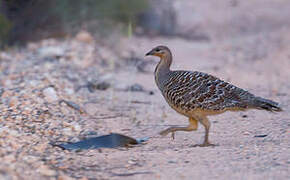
point(159, 51)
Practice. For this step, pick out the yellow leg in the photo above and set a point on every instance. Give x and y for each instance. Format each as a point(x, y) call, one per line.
point(193, 125)
point(205, 122)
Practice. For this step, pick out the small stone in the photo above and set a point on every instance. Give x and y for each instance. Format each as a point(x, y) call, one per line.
point(13, 102)
point(69, 91)
point(67, 131)
point(18, 118)
point(7, 94)
point(73, 105)
point(51, 52)
point(9, 158)
point(135, 87)
point(132, 161)
point(244, 116)
point(84, 178)
point(1, 91)
point(85, 37)
point(98, 85)
point(32, 46)
point(260, 136)
point(30, 159)
point(40, 147)
point(172, 162)
point(76, 127)
point(33, 83)
point(50, 94)
point(44, 170)
point(64, 177)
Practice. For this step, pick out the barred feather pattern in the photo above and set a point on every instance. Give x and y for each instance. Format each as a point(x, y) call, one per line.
point(191, 90)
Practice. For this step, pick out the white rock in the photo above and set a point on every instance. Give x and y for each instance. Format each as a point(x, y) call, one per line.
point(67, 131)
point(51, 51)
point(84, 36)
point(44, 170)
point(69, 91)
point(50, 94)
point(65, 177)
point(76, 127)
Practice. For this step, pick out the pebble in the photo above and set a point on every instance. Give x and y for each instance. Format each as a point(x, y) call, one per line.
point(69, 91)
point(99, 86)
point(76, 127)
point(172, 162)
point(51, 51)
point(44, 170)
point(261, 136)
point(244, 116)
point(50, 94)
point(64, 177)
point(1, 91)
point(133, 162)
point(68, 131)
point(84, 36)
point(135, 87)
point(9, 158)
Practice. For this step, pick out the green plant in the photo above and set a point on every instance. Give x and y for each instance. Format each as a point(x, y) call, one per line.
point(37, 19)
point(5, 27)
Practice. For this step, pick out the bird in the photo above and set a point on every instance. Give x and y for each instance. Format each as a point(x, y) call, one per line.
point(198, 95)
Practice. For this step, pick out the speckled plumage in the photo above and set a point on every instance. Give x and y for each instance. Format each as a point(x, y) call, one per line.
point(197, 95)
point(196, 90)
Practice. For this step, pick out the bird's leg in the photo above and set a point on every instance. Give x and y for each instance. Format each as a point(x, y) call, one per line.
point(205, 122)
point(193, 124)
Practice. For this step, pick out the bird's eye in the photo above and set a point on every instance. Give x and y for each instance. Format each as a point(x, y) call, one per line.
point(157, 50)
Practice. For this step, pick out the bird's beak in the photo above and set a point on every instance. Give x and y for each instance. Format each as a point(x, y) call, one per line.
point(149, 53)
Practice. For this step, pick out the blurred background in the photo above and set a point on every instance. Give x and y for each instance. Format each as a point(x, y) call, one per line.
point(114, 23)
point(31, 20)
point(70, 69)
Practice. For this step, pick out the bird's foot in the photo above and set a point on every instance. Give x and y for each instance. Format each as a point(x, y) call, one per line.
point(205, 144)
point(167, 131)
point(164, 133)
point(172, 135)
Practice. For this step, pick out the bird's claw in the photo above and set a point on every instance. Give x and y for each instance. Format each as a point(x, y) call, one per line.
point(165, 132)
point(205, 144)
point(172, 135)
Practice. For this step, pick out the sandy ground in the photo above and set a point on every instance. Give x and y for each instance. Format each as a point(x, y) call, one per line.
point(253, 55)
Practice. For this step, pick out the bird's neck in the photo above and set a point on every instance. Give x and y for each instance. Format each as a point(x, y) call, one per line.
point(162, 69)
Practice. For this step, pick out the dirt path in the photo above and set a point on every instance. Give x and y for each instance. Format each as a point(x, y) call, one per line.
point(240, 155)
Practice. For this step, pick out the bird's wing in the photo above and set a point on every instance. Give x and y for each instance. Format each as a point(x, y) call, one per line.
point(192, 90)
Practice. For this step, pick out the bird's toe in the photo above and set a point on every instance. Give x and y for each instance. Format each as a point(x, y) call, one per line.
point(206, 144)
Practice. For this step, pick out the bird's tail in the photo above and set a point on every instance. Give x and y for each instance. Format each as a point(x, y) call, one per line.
point(266, 104)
